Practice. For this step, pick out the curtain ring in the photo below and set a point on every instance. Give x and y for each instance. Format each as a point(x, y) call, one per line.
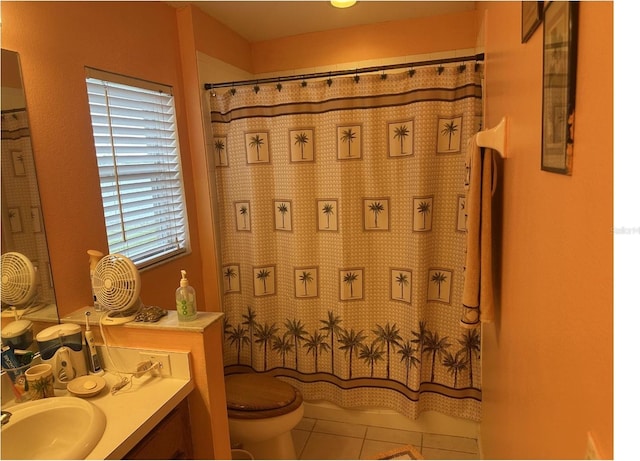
point(356, 77)
point(256, 88)
point(279, 86)
point(383, 76)
point(233, 89)
point(440, 70)
point(411, 72)
point(462, 68)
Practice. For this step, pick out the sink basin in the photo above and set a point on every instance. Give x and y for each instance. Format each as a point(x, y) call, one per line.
point(52, 428)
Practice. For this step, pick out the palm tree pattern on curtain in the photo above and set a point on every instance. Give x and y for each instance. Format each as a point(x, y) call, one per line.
point(359, 301)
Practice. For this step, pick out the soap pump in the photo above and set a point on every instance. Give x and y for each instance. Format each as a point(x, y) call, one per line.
point(186, 300)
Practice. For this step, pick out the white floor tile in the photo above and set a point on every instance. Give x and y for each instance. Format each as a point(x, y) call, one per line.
point(329, 446)
point(333, 427)
point(447, 442)
point(306, 424)
point(300, 438)
point(394, 435)
point(434, 453)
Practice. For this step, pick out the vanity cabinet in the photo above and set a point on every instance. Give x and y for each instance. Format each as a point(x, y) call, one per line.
point(170, 439)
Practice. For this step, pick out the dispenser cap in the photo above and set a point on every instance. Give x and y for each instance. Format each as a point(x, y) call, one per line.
point(94, 258)
point(183, 281)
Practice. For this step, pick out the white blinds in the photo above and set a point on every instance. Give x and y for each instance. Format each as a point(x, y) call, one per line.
point(135, 136)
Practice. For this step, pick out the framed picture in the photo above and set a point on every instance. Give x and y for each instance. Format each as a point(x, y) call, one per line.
point(559, 85)
point(531, 18)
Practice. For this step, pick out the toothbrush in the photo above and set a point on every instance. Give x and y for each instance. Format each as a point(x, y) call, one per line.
point(94, 362)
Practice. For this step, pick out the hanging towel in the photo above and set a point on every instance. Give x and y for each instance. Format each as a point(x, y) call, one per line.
point(477, 295)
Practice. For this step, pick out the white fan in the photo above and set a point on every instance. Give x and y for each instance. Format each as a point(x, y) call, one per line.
point(18, 279)
point(116, 284)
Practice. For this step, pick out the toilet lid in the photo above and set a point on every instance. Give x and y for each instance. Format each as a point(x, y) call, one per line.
point(253, 392)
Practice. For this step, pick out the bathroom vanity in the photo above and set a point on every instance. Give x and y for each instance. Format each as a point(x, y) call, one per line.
point(202, 339)
point(151, 407)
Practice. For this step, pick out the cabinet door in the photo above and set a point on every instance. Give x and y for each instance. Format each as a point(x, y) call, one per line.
point(170, 439)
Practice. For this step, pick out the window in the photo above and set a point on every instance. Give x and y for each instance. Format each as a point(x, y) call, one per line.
point(135, 135)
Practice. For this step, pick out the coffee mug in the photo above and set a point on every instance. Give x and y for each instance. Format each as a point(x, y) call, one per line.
point(40, 381)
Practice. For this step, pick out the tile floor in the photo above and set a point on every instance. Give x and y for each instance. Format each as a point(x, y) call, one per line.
point(324, 439)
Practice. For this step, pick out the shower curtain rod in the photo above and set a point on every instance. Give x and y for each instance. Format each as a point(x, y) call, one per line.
point(364, 70)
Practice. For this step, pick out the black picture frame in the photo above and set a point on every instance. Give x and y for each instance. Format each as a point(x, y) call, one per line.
point(560, 48)
point(531, 18)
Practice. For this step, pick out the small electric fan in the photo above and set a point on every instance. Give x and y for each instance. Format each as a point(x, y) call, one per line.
point(116, 284)
point(18, 279)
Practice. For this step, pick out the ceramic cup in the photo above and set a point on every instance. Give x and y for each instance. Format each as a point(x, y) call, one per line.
point(40, 381)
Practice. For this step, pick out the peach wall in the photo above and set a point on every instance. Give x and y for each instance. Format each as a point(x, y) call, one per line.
point(217, 40)
point(55, 41)
point(548, 359)
point(196, 132)
point(377, 41)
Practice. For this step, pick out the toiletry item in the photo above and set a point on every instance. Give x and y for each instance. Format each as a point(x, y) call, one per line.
point(40, 381)
point(62, 346)
point(18, 334)
point(15, 370)
point(94, 258)
point(94, 361)
point(186, 300)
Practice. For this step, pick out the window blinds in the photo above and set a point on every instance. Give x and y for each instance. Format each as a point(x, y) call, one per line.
point(138, 160)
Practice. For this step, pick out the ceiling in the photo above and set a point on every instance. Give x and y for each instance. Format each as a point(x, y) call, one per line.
point(266, 20)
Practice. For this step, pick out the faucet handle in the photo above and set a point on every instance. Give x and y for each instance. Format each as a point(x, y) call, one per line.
point(4, 417)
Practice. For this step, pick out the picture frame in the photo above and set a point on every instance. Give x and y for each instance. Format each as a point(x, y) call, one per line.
point(531, 18)
point(560, 47)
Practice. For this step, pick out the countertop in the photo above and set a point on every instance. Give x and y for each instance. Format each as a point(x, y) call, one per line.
point(134, 411)
point(138, 407)
point(169, 322)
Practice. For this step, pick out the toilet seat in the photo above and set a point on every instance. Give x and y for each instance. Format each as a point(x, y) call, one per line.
point(254, 396)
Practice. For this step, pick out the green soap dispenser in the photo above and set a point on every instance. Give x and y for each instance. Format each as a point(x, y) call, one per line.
point(186, 300)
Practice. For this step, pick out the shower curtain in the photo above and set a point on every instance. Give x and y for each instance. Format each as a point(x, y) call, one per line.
point(340, 206)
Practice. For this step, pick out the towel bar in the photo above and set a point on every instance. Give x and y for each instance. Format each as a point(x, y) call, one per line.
point(495, 138)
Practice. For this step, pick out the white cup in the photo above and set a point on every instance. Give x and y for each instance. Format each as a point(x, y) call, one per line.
point(40, 381)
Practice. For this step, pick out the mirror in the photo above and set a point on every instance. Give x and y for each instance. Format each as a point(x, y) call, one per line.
point(23, 228)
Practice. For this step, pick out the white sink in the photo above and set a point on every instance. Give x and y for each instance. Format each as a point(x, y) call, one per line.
point(52, 428)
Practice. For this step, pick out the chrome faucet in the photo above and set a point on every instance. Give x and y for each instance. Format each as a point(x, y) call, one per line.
point(5, 417)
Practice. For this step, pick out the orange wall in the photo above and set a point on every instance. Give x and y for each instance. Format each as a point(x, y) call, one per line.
point(55, 41)
point(548, 359)
point(377, 41)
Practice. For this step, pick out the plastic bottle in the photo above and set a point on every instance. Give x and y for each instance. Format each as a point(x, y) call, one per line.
point(186, 300)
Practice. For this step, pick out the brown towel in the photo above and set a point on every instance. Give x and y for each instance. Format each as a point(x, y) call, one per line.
point(477, 295)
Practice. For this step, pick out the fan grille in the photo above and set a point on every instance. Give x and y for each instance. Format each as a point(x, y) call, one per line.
point(18, 279)
point(116, 282)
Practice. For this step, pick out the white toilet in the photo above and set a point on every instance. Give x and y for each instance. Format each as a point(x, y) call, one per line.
point(262, 411)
